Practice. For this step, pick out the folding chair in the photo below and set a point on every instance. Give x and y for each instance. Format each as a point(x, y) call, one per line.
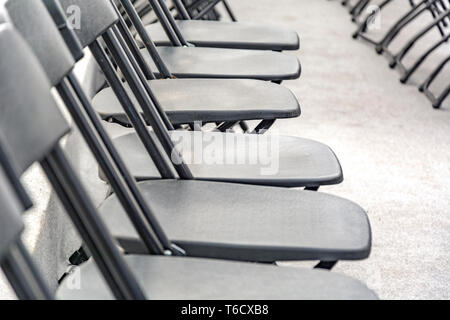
point(222, 233)
point(219, 34)
point(31, 137)
point(186, 101)
point(302, 163)
point(192, 62)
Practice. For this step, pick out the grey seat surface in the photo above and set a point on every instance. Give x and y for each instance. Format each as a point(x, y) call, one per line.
point(189, 62)
point(237, 35)
point(281, 160)
point(209, 100)
point(249, 223)
point(199, 279)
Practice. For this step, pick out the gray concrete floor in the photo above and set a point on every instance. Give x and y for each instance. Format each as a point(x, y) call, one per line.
point(394, 148)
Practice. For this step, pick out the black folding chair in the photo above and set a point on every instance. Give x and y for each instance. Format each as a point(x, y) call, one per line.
point(31, 136)
point(195, 62)
point(185, 101)
point(218, 34)
point(219, 237)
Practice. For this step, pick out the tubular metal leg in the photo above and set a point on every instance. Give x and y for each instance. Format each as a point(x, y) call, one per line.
point(364, 25)
point(425, 87)
point(402, 53)
point(408, 72)
point(328, 265)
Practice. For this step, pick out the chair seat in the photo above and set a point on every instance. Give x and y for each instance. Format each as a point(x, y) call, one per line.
point(249, 223)
point(243, 158)
point(177, 278)
point(234, 35)
point(209, 100)
point(190, 62)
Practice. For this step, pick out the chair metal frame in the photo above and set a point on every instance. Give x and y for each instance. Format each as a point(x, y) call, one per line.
point(137, 60)
point(198, 9)
point(436, 101)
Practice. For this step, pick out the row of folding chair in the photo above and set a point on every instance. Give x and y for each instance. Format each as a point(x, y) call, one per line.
point(364, 12)
point(169, 229)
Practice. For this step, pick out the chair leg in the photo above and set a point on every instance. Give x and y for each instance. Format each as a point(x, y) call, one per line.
point(399, 25)
point(327, 265)
point(365, 24)
point(425, 87)
point(229, 11)
point(402, 53)
point(409, 71)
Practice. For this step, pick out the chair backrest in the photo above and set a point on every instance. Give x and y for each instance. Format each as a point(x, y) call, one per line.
point(95, 18)
point(11, 225)
point(29, 127)
point(67, 32)
point(34, 23)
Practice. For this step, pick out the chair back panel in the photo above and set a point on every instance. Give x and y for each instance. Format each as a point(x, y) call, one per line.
point(36, 26)
point(89, 18)
point(68, 34)
point(31, 123)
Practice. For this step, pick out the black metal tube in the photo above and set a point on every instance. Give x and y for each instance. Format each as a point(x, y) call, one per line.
point(363, 26)
point(118, 185)
point(409, 72)
point(23, 275)
point(143, 80)
point(419, 35)
point(132, 46)
point(400, 24)
point(148, 43)
point(92, 230)
point(207, 9)
point(427, 83)
point(147, 106)
point(181, 9)
point(129, 180)
point(229, 11)
point(134, 116)
point(164, 22)
point(172, 22)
